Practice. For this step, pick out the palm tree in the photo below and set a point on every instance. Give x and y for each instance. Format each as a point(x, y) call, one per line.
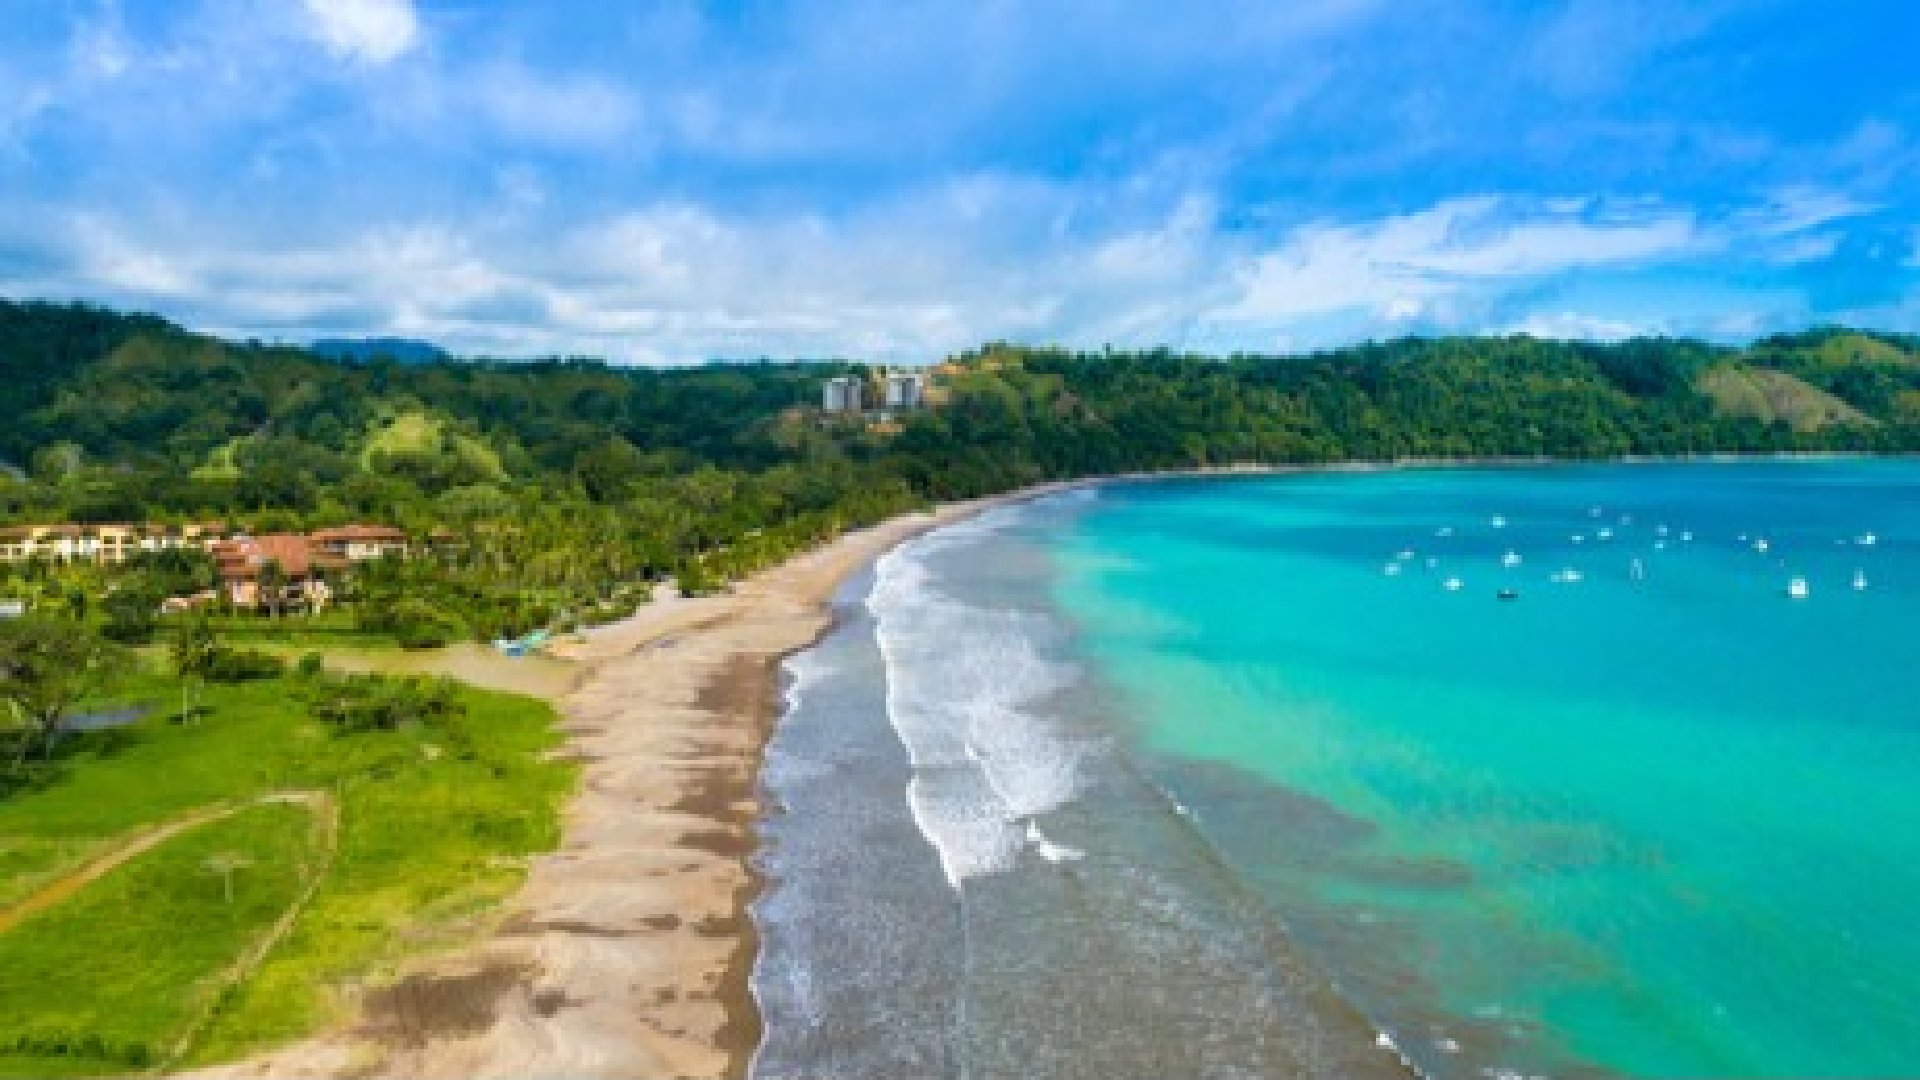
point(194, 649)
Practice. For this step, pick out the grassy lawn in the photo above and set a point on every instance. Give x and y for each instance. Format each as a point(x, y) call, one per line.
point(434, 822)
point(27, 862)
point(109, 979)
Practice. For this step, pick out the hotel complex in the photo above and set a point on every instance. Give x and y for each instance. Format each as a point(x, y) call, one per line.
point(254, 570)
point(896, 392)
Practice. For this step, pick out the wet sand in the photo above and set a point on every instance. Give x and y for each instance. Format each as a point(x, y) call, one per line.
point(627, 952)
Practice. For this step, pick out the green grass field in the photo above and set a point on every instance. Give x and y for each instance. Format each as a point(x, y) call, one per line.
point(434, 823)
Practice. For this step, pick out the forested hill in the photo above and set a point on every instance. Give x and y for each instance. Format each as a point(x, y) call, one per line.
point(125, 416)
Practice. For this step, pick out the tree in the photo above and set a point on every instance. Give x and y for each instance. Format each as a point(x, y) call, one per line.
point(271, 585)
point(132, 610)
point(46, 665)
point(195, 651)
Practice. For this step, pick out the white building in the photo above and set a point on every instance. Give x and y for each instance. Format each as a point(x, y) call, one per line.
point(905, 391)
point(843, 395)
point(109, 544)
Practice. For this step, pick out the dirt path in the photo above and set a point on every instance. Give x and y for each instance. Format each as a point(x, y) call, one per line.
point(326, 826)
point(326, 822)
point(64, 886)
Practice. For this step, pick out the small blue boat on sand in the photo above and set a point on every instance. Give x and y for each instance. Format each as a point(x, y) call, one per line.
point(521, 646)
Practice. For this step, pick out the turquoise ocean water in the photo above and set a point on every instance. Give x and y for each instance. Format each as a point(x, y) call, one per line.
point(1650, 816)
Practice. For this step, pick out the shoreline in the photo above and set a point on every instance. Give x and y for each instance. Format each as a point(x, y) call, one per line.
point(628, 951)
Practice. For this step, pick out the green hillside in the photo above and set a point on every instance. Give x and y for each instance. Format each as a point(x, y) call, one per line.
point(1774, 397)
point(571, 481)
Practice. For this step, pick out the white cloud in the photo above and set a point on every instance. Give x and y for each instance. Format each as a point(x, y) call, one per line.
point(106, 256)
point(560, 109)
point(1574, 325)
point(1589, 48)
point(371, 31)
point(1793, 226)
point(1813, 247)
point(925, 273)
point(1403, 265)
point(1795, 210)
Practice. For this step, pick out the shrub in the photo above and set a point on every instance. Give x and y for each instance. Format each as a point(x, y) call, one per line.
point(243, 665)
point(414, 623)
point(87, 1047)
point(365, 702)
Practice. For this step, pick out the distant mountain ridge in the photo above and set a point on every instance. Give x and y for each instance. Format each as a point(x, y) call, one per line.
point(144, 413)
point(361, 350)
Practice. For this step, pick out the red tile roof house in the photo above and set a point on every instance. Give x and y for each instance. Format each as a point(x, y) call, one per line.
point(303, 567)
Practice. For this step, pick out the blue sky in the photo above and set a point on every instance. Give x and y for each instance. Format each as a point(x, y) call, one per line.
point(665, 181)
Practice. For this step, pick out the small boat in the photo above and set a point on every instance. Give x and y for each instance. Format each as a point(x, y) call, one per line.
point(1508, 594)
point(1604, 534)
point(1453, 584)
point(1443, 531)
point(1637, 570)
point(1659, 530)
point(1797, 589)
point(1579, 538)
point(1859, 581)
point(1569, 576)
point(1404, 554)
point(1686, 537)
point(1392, 569)
point(1761, 545)
point(1497, 521)
point(1866, 540)
point(1510, 559)
point(521, 646)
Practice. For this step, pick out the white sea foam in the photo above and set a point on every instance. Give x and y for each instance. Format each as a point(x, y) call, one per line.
point(805, 670)
point(961, 681)
point(1049, 850)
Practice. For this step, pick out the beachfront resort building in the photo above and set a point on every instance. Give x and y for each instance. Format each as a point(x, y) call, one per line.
point(361, 543)
point(279, 570)
point(107, 544)
point(290, 569)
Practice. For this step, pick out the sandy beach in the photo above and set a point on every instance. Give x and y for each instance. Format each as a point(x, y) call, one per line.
point(627, 952)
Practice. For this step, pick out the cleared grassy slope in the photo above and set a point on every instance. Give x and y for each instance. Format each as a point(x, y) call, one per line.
point(1774, 396)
